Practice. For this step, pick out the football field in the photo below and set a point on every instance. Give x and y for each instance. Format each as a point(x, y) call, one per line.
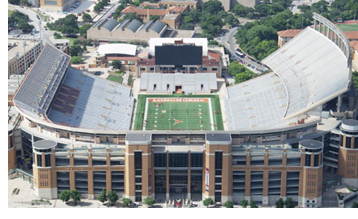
point(178, 114)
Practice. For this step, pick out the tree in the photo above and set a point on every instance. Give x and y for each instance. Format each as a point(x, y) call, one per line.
point(76, 59)
point(86, 17)
point(84, 48)
point(14, 2)
point(84, 28)
point(97, 8)
point(154, 17)
point(112, 197)
point(229, 204)
point(76, 50)
point(67, 25)
point(56, 35)
point(289, 203)
point(207, 202)
point(213, 42)
point(253, 204)
point(355, 205)
point(244, 203)
point(116, 64)
point(132, 16)
point(149, 201)
point(75, 195)
point(231, 20)
point(280, 203)
point(24, 26)
point(24, 2)
point(102, 197)
point(65, 196)
point(126, 202)
point(212, 7)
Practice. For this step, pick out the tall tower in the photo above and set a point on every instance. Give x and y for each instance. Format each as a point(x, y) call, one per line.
point(45, 184)
point(348, 152)
point(138, 167)
point(310, 193)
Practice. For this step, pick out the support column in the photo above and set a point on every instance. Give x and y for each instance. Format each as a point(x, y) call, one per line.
point(90, 184)
point(265, 187)
point(167, 177)
point(189, 176)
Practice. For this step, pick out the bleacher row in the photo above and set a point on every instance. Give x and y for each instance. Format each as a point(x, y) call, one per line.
point(312, 67)
point(37, 90)
point(65, 100)
point(259, 103)
point(101, 104)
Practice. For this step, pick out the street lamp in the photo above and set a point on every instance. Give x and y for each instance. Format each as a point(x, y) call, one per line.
point(33, 32)
point(40, 34)
point(288, 20)
point(303, 15)
point(24, 44)
point(321, 8)
point(17, 67)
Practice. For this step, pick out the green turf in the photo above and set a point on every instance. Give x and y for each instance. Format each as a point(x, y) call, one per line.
point(192, 116)
point(115, 78)
point(189, 121)
point(348, 27)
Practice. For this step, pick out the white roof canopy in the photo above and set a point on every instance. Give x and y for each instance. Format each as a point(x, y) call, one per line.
point(117, 48)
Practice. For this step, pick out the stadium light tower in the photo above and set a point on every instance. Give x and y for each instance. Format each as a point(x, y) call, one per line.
point(288, 20)
point(40, 34)
point(33, 32)
point(17, 67)
point(24, 45)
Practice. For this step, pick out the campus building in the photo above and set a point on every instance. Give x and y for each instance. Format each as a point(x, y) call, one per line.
point(27, 55)
point(77, 129)
point(191, 4)
point(56, 5)
point(128, 30)
point(170, 16)
point(170, 55)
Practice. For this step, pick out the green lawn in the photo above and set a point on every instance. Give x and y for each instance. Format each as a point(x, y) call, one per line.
point(115, 78)
point(70, 39)
point(348, 27)
point(189, 115)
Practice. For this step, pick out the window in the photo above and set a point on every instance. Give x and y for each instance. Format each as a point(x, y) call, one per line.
point(178, 160)
point(214, 69)
point(50, 3)
point(47, 160)
point(160, 160)
point(218, 160)
point(39, 160)
point(308, 160)
point(138, 160)
point(348, 142)
point(138, 180)
point(196, 160)
point(316, 160)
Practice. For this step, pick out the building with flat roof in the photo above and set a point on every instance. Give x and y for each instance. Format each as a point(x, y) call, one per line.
point(146, 13)
point(191, 4)
point(26, 56)
point(56, 5)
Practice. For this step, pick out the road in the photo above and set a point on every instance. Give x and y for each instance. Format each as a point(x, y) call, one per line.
point(106, 13)
point(45, 34)
point(228, 40)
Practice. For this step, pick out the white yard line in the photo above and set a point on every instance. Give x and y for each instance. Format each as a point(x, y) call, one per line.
point(145, 113)
point(211, 116)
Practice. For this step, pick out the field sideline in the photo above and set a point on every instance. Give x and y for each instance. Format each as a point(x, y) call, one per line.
point(179, 116)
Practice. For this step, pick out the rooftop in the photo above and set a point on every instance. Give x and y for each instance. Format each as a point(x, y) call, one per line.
point(44, 144)
point(311, 144)
point(351, 35)
point(289, 33)
point(18, 47)
point(118, 48)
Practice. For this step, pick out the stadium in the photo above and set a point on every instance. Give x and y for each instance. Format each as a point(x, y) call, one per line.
point(187, 135)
